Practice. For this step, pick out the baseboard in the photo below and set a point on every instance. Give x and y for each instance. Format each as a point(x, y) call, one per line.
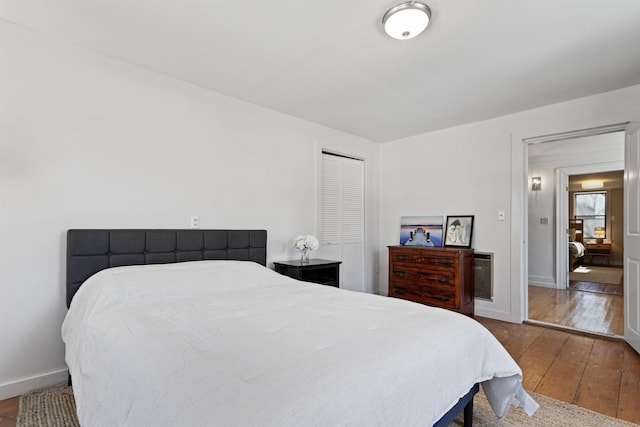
point(543, 282)
point(494, 314)
point(19, 388)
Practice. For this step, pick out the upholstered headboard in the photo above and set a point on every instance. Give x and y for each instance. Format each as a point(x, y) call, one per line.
point(89, 251)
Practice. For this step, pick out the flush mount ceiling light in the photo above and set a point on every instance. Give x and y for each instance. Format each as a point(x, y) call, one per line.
point(406, 20)
point(592, 184)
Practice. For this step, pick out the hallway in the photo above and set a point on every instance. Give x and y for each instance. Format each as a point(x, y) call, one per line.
point(584, 310)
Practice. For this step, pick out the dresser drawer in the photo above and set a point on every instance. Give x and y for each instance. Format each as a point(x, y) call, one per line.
point(405, 274)
point(445, 298)
point(417, 258)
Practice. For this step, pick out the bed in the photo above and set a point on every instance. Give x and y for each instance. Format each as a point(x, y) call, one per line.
point(188, 327)
point(576, 243)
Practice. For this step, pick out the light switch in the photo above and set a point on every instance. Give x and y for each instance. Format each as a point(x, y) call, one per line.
point(500, 215)
point(544, 220)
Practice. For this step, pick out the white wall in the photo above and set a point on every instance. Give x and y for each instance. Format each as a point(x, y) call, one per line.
point(90, 142)
point(480, 169)
point(544, 159)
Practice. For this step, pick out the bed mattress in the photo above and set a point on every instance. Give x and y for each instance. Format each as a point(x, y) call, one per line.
point(234, 343)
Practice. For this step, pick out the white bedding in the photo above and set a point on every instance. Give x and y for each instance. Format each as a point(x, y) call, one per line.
point(232, 343)
point(577, 249)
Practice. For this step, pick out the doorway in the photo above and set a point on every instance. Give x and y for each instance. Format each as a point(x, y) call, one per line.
point(564, 289)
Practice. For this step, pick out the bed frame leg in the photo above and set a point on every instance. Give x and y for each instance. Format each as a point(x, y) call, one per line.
point(468, 414)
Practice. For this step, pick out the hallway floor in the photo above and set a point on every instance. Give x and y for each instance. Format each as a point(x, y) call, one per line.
point(580, 309)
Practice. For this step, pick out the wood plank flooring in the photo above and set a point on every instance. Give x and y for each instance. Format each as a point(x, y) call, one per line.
point(9, 412)
point(595, 373)
point(589, 311)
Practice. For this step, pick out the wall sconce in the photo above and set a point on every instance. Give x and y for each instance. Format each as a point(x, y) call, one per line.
point(599, 232)
point(536, 183)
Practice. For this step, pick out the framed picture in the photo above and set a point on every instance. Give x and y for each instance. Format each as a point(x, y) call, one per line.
point(458, 231)
point(421, 231)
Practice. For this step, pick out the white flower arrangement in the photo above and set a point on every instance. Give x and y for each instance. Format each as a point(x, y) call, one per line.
point(306, 243)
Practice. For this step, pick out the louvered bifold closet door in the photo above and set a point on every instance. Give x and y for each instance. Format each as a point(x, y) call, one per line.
point(342, 218)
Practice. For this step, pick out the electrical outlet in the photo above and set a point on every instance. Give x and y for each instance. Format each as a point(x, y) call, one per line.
point(195, 221)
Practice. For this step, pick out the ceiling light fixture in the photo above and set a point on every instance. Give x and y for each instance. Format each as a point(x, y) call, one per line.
point(592, 184)
point(406, 20)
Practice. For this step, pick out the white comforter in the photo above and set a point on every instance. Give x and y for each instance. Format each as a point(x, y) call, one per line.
point(576, 249)
point(230, 343)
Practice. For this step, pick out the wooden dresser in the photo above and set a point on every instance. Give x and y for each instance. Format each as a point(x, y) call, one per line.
point(441, 277)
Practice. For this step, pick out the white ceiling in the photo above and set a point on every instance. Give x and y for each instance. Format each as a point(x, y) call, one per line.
point(330, 62)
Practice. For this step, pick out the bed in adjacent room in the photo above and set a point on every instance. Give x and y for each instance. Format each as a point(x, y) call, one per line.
point(188, 327)
point(576, 244)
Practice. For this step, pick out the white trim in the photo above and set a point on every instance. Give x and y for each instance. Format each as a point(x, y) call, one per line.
point(562, 210)
point(493, 314)
point(519, 207)
point(19, 388)
point(543, 281)
point(561, 136)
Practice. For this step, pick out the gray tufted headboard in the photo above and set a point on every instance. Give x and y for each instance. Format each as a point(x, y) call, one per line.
point(89, 251)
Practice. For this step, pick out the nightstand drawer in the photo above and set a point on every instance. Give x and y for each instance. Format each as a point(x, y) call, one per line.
point(321, 271)
point(598, 246)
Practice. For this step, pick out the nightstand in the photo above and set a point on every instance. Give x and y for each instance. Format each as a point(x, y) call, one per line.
point(322, 271)
point(597, 249)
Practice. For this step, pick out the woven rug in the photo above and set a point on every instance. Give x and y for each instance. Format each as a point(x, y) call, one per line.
point(595, 274)
point(552, 413)
point(55, 407)
point(48, 407)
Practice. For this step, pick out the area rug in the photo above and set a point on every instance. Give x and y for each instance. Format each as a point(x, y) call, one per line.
point(48, 407)
point(552, 413)
point(596, 274)
point(55, 407)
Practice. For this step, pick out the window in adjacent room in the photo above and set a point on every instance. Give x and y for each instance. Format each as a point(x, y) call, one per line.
point(591, 208)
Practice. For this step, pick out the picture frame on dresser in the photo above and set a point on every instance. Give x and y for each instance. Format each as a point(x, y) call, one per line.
point(458, 231)
point(421, 230)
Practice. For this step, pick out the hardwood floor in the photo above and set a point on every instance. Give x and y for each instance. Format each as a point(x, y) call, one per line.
point(589, 311)
point(595, 373)
point(9, 412)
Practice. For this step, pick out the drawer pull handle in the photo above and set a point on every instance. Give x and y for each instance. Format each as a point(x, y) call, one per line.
point(443, 298)
point(399, 273)
point(401, 257)
point(444, 262)
point(443, 279)
point(399, 291)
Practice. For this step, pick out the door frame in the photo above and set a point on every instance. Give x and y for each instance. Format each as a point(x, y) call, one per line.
point(562, 213)
point(519, 301)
